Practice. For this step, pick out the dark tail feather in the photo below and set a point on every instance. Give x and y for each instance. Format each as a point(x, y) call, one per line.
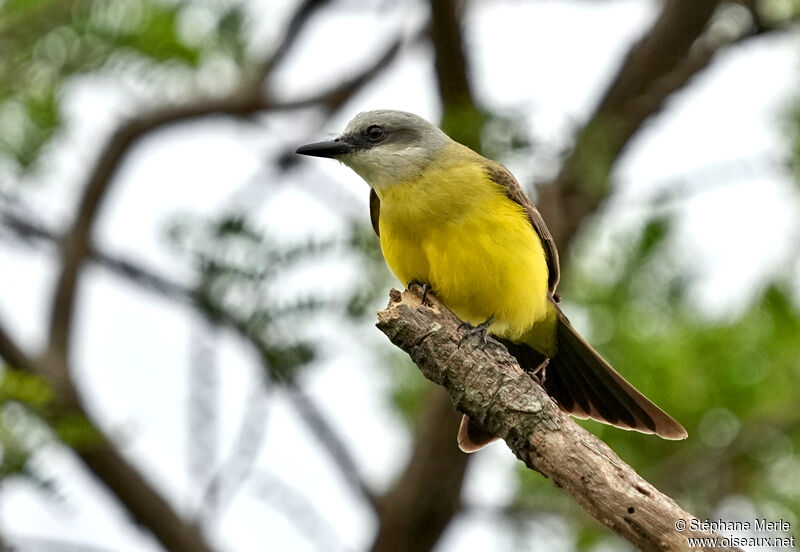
point(586, 386)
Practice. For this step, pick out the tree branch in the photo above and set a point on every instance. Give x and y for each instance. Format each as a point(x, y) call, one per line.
point(305, 406)
point(655, 67)
point(100, 456)
point(235, 469)
point(449, 59)
point(300, 512)
point(317, 422)
point(248, 100)
point(98, 453)
point(141, 499)
point(310, 413)
point(31, 230)
point(427, 494)
point(71, 423)
point(297, 23)
point(11, 353)
point(490, 387)
point(76, 244)
point(418, 508)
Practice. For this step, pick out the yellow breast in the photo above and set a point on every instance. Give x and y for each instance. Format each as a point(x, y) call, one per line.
point(456, 229)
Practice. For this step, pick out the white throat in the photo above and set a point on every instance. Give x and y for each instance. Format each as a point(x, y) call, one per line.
point(384, 167)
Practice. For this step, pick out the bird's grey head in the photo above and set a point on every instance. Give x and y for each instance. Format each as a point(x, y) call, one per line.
point(384, 147)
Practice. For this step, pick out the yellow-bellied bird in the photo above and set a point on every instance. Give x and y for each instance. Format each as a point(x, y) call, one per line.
point(460, 223)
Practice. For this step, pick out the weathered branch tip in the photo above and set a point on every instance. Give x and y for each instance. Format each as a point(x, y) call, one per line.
point(489, 386)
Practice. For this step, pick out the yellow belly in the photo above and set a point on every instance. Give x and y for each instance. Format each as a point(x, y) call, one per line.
point(479, 253)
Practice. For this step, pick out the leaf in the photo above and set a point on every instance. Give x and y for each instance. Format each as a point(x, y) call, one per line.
point(284, 361)
point(230, 30)
point(77, 431)
point(26, 388)
point(44, 43)
point(156, 36)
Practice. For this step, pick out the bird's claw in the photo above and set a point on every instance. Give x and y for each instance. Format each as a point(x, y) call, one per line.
point(426, 288)
point(539, 374)
point(481, 330)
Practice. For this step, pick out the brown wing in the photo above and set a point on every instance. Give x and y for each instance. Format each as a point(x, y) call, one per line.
point(374, 211)
point(500, 175)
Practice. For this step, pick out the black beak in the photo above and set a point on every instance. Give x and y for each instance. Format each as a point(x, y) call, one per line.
point(331, 148)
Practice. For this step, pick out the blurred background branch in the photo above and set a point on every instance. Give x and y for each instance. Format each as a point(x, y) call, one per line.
point(198, 69)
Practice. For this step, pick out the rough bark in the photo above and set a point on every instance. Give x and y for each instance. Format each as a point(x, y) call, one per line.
point(489, 385)
point(427, 494)
point(565, 203)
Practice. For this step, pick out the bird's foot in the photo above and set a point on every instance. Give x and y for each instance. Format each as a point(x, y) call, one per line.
point(539, 374)
point(481, 330)
point(426, 289)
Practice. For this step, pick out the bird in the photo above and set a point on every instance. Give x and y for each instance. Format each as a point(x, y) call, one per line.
point(461, 225)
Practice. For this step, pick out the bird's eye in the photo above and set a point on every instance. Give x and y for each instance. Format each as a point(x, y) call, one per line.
point(375, 133)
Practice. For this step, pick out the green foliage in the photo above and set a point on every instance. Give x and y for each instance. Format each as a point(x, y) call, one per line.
point(239, 270)
point(777, 12)
point(24, 388)
point(409, 389)
point(599, 144)
point(44, 43)
point(284, 362)
point(76, 431)
point(230, 33)
point(22, 396)
point(732, 384)
point(29, 420)
point(236, 267)
point(147, 28)
point(464, 123)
